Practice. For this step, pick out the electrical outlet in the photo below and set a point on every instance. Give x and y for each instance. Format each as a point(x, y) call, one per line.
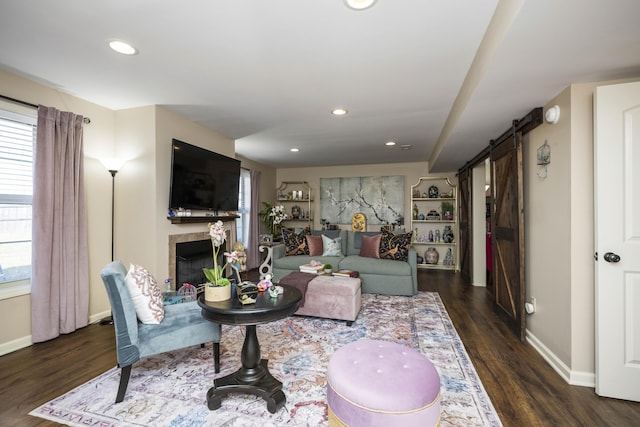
point(533, 301)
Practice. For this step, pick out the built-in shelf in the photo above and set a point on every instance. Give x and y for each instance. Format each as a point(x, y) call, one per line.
point(196, 219)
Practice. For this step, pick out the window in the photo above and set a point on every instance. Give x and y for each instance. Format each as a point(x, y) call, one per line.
point(244, 207)
point(17, 139)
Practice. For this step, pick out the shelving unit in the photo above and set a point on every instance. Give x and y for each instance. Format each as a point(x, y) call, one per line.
point(428, 196)
point(296, 193)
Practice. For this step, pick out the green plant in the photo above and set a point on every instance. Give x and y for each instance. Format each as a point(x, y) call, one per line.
point(328, 267)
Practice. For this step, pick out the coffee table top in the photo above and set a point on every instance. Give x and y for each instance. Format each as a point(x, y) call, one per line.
point(264, 310)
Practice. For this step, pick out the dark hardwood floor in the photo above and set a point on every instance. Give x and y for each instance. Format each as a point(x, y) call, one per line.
point(525, 390)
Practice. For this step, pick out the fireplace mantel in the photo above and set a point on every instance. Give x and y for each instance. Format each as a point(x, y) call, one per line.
point(194, 219)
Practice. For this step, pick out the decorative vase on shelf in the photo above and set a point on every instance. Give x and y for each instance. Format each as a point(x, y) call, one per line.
point(431, 256)
point(217, 293)
point(447, 234)
point(415, 211)
point(448, 258)
point(433, 192)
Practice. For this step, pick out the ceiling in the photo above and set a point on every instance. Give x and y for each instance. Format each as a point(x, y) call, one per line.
point(440, 76)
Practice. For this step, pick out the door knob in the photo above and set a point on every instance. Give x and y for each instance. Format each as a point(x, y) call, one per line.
point(611, 257)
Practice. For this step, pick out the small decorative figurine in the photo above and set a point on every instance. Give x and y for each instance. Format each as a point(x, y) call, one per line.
point(265, 283)
point(437, 236)
point(430, 238)
point(274, 291)
point(448, 258)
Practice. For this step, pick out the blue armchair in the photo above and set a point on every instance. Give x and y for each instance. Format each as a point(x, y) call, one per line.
point(182, 326)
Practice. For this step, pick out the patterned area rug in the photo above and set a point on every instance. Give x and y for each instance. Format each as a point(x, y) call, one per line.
point(170, 389)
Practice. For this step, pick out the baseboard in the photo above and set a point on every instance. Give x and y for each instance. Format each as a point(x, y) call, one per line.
point(95, 318)
point(11, 346)
point(577, 378)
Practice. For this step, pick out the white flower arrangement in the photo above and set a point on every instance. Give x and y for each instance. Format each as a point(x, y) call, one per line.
point(278, 214)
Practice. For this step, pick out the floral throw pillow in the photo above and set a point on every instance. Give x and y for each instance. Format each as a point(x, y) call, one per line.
point(395, 246)
point(145, 294)
point(332, 247)
point(295, 244)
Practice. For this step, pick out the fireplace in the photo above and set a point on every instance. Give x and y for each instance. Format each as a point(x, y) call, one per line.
point(191, 258)
point(190, 252)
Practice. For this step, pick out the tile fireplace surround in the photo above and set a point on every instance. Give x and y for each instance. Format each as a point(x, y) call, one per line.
point(192, 237)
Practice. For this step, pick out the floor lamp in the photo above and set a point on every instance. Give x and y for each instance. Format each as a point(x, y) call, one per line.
point(112, 165)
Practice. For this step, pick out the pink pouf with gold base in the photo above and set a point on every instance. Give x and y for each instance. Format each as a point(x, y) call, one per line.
point(379, 383)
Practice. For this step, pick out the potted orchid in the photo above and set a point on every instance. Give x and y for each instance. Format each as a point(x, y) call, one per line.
point(218, 287)
point(272, 217)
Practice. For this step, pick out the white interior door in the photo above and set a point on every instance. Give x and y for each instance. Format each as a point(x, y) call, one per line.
point(617, 186)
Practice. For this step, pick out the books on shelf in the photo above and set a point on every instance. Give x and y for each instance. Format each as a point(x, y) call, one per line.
point(346, 273)
point(312, 268)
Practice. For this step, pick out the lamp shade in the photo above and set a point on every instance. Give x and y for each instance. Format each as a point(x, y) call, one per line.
point(112, 163)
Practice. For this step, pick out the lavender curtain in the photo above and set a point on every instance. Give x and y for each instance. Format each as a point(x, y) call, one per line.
point(253, 257)
point(60, 264)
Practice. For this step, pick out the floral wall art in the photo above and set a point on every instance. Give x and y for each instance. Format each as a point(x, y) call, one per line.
point(380, 198)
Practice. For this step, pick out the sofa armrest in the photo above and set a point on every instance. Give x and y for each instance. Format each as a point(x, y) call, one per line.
point(278, 252)
point(413, 263)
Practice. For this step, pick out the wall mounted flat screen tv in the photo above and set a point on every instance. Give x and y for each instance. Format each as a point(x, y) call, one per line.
point(202, 179)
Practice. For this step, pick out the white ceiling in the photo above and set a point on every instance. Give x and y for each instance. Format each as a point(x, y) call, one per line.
point(443, 76)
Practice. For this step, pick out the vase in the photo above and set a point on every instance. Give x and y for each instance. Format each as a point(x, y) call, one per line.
point(431, 256)
point(447, 234)
point(217, 293)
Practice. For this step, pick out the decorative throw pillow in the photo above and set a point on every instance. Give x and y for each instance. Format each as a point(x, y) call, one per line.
point(395, 246)
point(315, 245)
point(370, 247)
point(332, 247)
point(295, 244)
point(145, 294)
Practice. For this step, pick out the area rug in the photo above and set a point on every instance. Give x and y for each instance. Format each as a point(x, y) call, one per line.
point(170, 389)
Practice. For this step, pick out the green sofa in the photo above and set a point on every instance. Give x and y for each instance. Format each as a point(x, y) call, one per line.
point(379, 276)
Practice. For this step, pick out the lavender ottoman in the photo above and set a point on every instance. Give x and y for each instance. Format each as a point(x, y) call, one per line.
point(332, 297)
point(379, 383)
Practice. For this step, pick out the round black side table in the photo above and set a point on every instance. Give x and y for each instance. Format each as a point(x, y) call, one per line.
point(253, 377)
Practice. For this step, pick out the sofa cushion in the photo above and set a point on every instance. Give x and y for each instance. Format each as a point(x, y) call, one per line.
point(395, 246)
point(145, 294)
point(331, 247)
point(295, 243)
point(382, 267)
point(370, 247)
point(315, 245)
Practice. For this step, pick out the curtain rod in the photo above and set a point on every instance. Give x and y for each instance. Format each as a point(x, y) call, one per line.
point(86, 120)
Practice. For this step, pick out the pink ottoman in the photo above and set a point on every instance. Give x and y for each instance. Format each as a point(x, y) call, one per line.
point(333, 297)
point(379, 383)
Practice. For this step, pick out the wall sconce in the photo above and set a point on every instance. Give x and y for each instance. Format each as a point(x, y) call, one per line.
point(552, 115)
point(544, 158)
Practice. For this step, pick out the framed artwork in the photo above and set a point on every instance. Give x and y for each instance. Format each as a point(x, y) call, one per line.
point(379, 198)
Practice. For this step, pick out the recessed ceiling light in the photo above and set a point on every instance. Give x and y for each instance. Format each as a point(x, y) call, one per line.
point(359, 4)
point(390, 143)
point(405, 147)
point(122, 47)
point(294, 150)
point(339, 112)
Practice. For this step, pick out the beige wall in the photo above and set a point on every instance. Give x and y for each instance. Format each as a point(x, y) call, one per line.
point(411, 172)
point(548, 219)
point(559, 234)
point(15, 313)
